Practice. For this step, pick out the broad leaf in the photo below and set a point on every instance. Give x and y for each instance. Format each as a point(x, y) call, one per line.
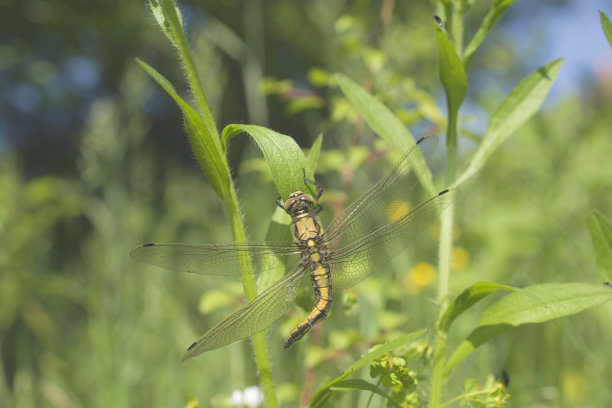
point(601, 235)
point(520, 104)
point(284, 157)
point(468, 298)
point(536, 304)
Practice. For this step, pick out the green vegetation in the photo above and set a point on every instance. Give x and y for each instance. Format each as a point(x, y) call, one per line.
point(528, 242)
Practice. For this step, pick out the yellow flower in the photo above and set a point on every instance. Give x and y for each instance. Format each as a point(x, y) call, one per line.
point(574, 387)
point(193, 403)
point(460, 258)
point(421, 275)
point(397, 209)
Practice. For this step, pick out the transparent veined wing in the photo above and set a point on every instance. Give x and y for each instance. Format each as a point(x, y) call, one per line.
point(217, 259)
point(364, 255)
point(384, 199)
point(252, 318)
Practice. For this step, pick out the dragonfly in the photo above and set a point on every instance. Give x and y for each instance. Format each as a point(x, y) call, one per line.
point(358, 242)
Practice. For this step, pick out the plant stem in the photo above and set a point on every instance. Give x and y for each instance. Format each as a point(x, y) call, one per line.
point(451, 147)
point(193, 78)
point(260, 350)
point(454, 12)
point(439, 357)
point(258, 341)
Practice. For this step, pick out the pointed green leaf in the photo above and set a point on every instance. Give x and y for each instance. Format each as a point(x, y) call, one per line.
point(314, 153)
point(207, 149)
point(601, 235)
point(450, 70)
point(468, 298)
point(520, 104)
point(284, 157)
point(380, 118)
point(324, 392)
point(162, 20)
point(359, 384)
point(497, 10)
point(606, 25)
point(384, 123)
point(535, 304)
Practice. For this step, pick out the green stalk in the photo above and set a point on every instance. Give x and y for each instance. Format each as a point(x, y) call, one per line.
point(258, 341)
point(232, 206)
point(193, 78)
point(453, 78)
point(451, 147)
point(439, 357)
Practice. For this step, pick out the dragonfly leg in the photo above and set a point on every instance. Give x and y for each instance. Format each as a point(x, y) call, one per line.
point(314, 183)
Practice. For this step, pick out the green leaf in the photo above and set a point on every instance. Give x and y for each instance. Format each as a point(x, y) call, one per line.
point(314, 153)
point(468, 298)
point(536, 304)
point(359, 384)
point(453, 78)
point(163, 22)
point(284, 157)
point(380, 118)
point(206, 148)
point(451, 72)
point(497, 10)
point(325, 392)
point(520, 104)
point(384, 123)
point(606, 25)
point(601, 235)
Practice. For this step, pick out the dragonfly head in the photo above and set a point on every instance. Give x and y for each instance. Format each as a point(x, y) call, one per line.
point(299, 202)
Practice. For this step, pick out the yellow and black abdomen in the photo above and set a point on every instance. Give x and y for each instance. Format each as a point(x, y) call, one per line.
point(307, 233)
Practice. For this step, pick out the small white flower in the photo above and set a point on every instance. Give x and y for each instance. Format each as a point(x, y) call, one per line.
point(251, 397)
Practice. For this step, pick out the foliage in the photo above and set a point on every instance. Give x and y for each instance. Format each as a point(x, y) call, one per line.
point(81, 325)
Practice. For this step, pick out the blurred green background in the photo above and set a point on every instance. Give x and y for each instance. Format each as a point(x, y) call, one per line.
point(94, 161)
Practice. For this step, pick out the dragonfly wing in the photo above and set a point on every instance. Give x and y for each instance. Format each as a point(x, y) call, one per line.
point(383, 198)
point(252, 318)
point(212, 259)
point(362, 257)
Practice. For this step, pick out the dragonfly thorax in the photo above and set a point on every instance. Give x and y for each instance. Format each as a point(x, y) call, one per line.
point(299, 203)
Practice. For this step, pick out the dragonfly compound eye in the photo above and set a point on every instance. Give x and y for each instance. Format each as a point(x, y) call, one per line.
point(298, 202)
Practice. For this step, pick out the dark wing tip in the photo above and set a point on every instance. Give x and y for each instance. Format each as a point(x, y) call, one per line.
point(148, 245)
point(188, 354)
point(450, 190)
